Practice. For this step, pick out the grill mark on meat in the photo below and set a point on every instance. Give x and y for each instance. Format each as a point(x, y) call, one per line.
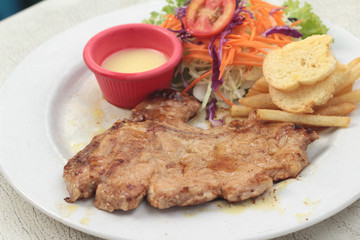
point(189, 133)
point(182, 167)
point(83, 155)
point(170, 165)
point(157, 128)
point(117, 125)
point(157, 155)
point(223, 164)
point(167, 94)
point(130, 186)
point(115, 164)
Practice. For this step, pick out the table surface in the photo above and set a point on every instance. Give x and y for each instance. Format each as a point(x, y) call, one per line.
point(25, 31)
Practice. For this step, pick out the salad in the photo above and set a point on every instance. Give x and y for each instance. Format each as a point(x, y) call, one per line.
point(225, 42)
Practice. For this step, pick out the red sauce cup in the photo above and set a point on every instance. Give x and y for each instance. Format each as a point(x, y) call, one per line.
point(126, 90)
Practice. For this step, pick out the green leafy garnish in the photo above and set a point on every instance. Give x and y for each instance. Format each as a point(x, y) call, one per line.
point(158, 18)
point(311, 23)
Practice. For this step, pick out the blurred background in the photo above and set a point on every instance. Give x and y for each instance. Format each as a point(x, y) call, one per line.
point(10, 7)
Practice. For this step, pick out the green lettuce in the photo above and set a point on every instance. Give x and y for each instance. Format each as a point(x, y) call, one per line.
point(157, 18)
point(311, 23)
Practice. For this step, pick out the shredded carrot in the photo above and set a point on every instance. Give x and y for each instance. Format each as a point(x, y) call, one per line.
point(228, 60)
point(200, 56)
point(276, 37)
point(244, 46)
point(266, 25)
point(198, 50)
point(254, 44)
point(196, 81)
point(247, 63)
point(283, 37)
point(266, 16)
point(224, 63)
point(253, 32)
point(262, 4)
point(272, 41)
point(296, 23)
point(249, 56)
point(247, 70)
point(164, 24)
point(278, 19)
point(223, 98)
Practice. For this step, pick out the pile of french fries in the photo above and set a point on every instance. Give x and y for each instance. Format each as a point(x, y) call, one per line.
point(331, 114)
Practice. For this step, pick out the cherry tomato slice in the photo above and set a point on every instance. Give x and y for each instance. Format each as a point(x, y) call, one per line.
point(205, 18)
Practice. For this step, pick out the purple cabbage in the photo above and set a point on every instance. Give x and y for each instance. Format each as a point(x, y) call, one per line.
point(180, 12)
point(243, 8)
point(291, 19)
point(274, 10)
point(217, 55)
point(211, 110)
point(286, 30)
point(184, 83)
point(215, 81)
point(182, 34)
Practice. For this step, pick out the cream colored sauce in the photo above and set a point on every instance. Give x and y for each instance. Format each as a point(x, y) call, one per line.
point(85, 221)
point(309, 202)
point(65, 209)
point(267, 202)
point(90, 211)
point(76, 147)
point(194, 212)
point(134, 60)
point(302, 217)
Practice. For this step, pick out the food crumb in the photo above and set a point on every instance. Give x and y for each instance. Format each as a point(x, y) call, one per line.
point(308, 201)
point(301, 217)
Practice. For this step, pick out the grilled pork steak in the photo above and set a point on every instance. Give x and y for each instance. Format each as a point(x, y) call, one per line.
point(156, 154)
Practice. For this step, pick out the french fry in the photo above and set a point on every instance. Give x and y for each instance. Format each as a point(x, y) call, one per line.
point(351, 97)
point(354, 62)
point(331, 114)
point(252, 92)
point(262, 100)
point(344, 86)
point(240, 111)
point(303, 119)
point(261, 85)
point(346, 89)
point(341, 109)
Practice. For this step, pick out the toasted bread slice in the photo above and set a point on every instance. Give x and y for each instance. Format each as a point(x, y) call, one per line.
point(306, 97)
point(300, 63)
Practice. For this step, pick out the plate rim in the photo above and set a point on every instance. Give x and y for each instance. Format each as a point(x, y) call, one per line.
point(86, 229)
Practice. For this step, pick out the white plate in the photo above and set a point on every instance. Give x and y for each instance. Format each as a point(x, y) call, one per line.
point(51, 106)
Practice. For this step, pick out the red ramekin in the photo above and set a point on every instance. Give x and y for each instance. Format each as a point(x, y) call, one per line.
point(126, 90)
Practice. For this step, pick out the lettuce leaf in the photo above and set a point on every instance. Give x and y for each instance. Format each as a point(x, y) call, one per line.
point(311, 23)
point(158, 18)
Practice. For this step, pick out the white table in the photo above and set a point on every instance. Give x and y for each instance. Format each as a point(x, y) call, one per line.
point(25, 31)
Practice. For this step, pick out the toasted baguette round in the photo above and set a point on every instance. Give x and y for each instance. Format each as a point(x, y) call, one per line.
point(299, 63)
point(306, 97)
